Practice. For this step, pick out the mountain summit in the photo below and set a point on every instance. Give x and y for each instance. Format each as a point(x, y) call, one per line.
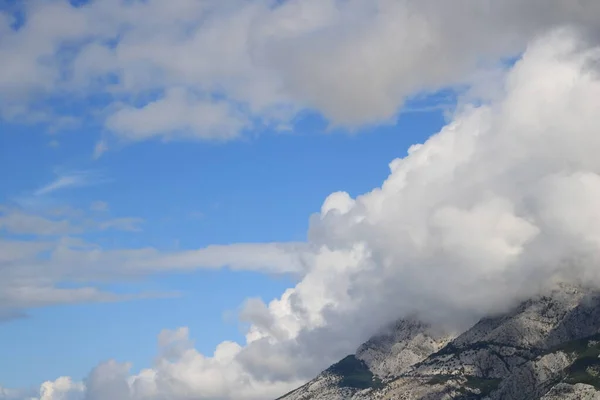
point(546, 348)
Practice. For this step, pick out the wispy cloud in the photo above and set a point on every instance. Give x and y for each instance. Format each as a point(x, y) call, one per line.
point(21, 223)
point(10, 315)
point(56, 222)
point(99, 206)
point(122, 224)
point(70, 180)
point(100, 148)
point(62, 182)
point(197, 215)
point(70, 270)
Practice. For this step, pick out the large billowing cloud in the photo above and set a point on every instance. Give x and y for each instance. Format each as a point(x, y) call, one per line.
point(501, 201)
point(210, 69)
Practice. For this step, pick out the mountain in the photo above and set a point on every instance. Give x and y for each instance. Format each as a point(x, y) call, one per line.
point(547, 348)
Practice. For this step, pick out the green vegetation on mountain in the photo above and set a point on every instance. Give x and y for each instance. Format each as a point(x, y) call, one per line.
point(354, 373)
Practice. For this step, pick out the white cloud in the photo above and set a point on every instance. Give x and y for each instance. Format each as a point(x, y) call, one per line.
point(65, 180)
point(12, 394)
point(32, 271)
point(498, 203)
point(122, 224)
point(264, 257)
point(56, 252)
point(100, 148)
point(178, 114)
point(19, 221)
point(218, 377)
point(62, 388)
point(224, 66)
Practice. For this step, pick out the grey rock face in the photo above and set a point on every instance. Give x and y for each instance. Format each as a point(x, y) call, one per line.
point(564, 391)
point(386, 355)
point(400, 346)
point(547, 348)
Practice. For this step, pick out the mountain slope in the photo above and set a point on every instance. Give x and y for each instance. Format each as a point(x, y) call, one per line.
point(393, 351)
point(547, 348)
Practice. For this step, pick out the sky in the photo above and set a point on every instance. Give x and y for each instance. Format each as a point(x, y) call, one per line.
point(199, 198)
point(199, 194)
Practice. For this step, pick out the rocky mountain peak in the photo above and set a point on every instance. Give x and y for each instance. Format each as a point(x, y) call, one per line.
point(546, 348)
point(401, 345)
point(534, 323)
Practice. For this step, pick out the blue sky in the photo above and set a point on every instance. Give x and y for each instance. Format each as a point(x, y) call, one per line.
point(189, 195)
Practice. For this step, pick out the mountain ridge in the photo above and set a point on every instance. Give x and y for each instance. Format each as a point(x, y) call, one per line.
point(545, 348)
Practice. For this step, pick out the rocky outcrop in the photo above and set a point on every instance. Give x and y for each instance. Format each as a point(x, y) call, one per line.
point(400, 346)
point(580, 391)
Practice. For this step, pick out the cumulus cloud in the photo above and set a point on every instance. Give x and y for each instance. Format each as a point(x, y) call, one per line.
point(62, 388)
point(210, 69)
point(178, 113)
point(497, 204)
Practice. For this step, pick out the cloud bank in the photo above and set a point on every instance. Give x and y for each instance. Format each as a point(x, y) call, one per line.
point(500, 202)
point(214, 69)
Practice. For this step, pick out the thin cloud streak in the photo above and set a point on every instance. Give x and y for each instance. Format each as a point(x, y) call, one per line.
point(74, 179)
